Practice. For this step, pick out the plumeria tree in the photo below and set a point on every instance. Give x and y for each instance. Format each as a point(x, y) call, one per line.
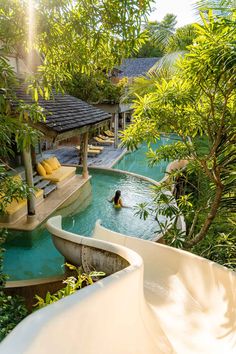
point(198, 100)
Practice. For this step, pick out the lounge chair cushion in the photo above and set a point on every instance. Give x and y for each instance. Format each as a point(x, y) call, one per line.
point(94, 147)
point(109, 133)
point(47, 167)
point(60, 174)
point(40, 169)
point(57, 162)
point(52, 163)
point(15, 205)
point(94, 152)
point(103, 142)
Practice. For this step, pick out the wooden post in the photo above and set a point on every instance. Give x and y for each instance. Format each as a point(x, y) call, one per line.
point(116, 130)
point(84, 154)
point(124, 120)
point(29, 179)
point(33, 156)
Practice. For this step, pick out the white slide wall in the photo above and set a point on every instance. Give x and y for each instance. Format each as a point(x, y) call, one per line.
point(181, 304)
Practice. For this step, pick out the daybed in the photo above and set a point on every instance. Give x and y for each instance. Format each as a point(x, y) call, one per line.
point(51, 169)
point(18, 208)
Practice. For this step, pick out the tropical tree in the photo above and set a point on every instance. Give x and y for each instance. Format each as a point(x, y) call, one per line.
point(66, 37)
point(181, 39)
point(198, 101)
point(156, 35)
point(219, 7)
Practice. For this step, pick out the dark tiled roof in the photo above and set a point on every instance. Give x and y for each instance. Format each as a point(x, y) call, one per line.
point(65, 112)
point(134, 67)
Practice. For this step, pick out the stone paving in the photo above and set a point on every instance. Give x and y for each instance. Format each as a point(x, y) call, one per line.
point(68, 155)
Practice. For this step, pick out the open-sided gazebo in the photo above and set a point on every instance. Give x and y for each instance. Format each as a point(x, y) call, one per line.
point(66, 117)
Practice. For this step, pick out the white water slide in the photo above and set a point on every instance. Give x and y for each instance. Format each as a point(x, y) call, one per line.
point(163, 301)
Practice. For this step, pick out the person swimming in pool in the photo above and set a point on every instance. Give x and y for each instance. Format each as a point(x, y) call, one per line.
point(116, 200)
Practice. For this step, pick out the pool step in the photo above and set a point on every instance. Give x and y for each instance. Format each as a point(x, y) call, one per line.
point(47, 190)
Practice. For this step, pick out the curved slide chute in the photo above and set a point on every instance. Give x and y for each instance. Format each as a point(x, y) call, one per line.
point(163, 301)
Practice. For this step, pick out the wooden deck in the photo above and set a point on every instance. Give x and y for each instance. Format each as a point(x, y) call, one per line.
point(68, 155)
point(48, 205)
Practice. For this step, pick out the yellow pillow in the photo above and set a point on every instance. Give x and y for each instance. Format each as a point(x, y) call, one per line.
point(40, 169)
point(52, 163)
point(57, 162)
point(47, 167)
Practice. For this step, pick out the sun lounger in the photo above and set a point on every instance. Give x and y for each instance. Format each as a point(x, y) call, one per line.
point(105, 137)
point(91, 148)
point(93, 152)
point(103, 142)
point(94, 147)
point(109, 133)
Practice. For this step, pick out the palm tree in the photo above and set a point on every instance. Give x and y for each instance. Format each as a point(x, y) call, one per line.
point(219, 7)
point(162, 31)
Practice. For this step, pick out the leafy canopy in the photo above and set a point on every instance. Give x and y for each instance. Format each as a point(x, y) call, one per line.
point(199, 99)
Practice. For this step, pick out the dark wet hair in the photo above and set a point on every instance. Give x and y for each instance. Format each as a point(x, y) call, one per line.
point(117, 196)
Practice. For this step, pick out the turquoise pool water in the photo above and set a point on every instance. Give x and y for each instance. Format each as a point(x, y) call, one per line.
point(32, 255)
point(136, 161)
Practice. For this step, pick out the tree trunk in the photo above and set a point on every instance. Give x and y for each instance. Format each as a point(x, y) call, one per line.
point(116, 129)
point(84, 154)
point(29, 179)
point(210, 217)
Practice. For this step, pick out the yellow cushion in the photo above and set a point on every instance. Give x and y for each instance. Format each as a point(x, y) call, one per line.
point(15, 205)
point(52, 163)
point(47, 167)
point(40, 169)
point(57, 162)
point(61, 174)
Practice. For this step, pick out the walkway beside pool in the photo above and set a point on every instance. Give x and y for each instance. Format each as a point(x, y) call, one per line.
point(68, 155)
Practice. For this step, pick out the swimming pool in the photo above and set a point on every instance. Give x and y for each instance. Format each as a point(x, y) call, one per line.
point(33, 255)
point(136, 161)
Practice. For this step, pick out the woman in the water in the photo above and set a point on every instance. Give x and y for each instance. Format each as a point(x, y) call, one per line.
point(116, 200)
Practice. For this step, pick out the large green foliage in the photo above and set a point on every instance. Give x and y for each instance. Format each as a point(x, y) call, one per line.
point(162, 37)
point(198, 100)
point(96, 89)
point(72, 284)
point(156, 36)
point(67, 38)
point(74, 36)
